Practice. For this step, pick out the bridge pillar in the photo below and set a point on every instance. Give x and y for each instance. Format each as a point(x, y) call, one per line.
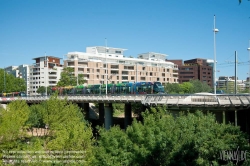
point(108, 115)
point(235, 117)
point(85, 108)
point(128, 115)
point(101, 112)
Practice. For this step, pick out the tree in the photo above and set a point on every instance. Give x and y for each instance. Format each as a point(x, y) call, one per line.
point(68, 78)
point(172, 88)
point(41, 90)
point(35, 117)
point(199, 86)
point(8, 83)
point(12, 123)
point(67, 128)
point(187, 87)
point(190, 139)
point(193, 86)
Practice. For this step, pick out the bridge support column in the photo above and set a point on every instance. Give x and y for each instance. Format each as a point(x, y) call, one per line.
point(85, 108)
point(128, 115)
point(108, 116)
point(101, 112)
point(235, 118)
point(223, 117)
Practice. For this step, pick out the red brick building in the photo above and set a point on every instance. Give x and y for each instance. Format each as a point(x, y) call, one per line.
point(195, 69)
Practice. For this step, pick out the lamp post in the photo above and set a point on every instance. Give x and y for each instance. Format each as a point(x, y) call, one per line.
point(77, 82)
point(215, 30)
point(47, 72)
point(106, 67)
point(248, 49)
point(100, 80)
point(4, 81)
point(136, 71)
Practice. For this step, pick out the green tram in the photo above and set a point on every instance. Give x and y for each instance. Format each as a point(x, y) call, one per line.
point(120, 88)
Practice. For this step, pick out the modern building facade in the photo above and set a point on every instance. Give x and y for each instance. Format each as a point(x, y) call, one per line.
point(192, 69)
point(24, 73)
point(106, 64)
point(12, 70)
point(46, 72)
point(228, 84)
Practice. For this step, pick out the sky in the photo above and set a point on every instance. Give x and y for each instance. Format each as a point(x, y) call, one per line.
point(181, 29)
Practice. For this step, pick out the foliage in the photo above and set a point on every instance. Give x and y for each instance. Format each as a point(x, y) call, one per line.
point(187, 87)
point(67, 129)
point(192, 139)
point(35, 117)
point(199, 86)
point(42, 90)
point(12, 121)
point(172, 88)
point(193, 86)
point(68, 78)
point(12, 84)
point(118, 108)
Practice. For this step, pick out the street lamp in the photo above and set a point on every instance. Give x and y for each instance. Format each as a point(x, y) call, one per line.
point(248, 49)
point(100, 80)
point(106, 67)
point(47, 71)
point(215, 31)
point(4, 80)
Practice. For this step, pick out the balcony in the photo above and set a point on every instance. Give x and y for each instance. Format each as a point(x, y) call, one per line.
point(82, 66)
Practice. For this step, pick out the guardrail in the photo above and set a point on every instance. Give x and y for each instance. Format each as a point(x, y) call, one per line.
point(199, 100)
point(229, 102)
point(81, 98)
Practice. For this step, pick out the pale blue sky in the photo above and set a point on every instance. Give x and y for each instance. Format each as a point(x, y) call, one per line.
point(182, 29)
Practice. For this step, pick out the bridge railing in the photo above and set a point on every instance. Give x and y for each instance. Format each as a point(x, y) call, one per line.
point(196, 100)
point(81, 98)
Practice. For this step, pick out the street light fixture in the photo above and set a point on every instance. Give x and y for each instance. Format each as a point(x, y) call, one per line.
point(248, 49)
point(215, 30)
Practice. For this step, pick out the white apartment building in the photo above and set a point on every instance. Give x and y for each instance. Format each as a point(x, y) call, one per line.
point(12, 70)
point(45, 72)
point(96, 60)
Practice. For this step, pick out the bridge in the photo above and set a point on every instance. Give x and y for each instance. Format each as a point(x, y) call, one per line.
point(227, 108)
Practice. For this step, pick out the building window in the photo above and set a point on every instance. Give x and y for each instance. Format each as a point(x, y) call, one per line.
point(132, 78)
point(118, 52)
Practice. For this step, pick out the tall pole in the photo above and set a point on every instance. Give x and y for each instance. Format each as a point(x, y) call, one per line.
point(4, 81)
point(77, 82)
point(100, 79)
point(215, 31)
point(248, 49)
point(106, 66)
point(235, 75)
point(46, 74)
point(136, 72)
